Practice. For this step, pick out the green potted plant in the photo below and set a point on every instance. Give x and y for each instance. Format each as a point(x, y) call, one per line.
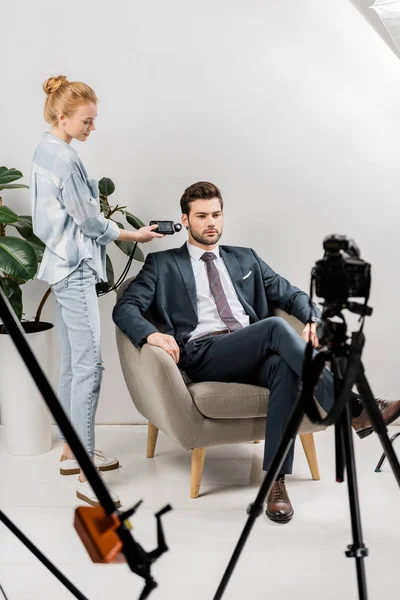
point(106, 188)
point(26, 420)
point(19, 256)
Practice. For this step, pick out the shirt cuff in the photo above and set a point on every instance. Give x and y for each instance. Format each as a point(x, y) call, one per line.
point(110, 234)
point(316, 313)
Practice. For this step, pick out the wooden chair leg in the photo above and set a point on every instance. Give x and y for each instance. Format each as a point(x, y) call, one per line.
point(152, 434)
point(198, 456)
point(307, 439)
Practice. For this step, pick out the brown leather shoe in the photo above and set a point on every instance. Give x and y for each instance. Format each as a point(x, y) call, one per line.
point(389, 410)
point(279, 508)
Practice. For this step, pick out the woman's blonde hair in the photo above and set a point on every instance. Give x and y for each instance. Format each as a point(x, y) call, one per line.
point(64, 97)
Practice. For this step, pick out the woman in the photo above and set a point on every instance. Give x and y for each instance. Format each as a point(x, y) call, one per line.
point(66, 217)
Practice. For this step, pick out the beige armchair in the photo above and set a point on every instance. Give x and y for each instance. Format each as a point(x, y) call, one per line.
point(198, 415)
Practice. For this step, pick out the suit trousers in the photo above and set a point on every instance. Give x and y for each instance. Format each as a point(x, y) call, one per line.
point(268, 353)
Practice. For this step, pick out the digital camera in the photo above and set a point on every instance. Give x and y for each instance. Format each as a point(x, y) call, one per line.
point(341, 274)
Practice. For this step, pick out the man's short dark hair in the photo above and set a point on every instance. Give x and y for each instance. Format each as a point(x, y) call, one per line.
point(203, 190)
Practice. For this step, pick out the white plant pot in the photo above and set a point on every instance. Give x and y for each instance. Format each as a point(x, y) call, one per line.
point(24, 414)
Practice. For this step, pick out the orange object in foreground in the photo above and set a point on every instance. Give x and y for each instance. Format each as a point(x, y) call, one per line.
point(98, 533)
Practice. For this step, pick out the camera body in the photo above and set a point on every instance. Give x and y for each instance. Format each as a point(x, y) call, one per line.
point(341, 274)
point(166, 227)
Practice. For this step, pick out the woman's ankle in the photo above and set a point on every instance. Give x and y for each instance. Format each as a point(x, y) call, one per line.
point(67, 452)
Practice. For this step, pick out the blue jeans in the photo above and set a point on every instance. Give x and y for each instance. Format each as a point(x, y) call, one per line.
point(78, 323)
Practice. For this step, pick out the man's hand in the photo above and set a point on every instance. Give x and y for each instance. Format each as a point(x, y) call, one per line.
point(310, 333)
point(166, 342)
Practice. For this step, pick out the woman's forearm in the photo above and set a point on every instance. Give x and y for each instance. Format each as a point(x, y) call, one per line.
point(127, 236)
point(144, 234)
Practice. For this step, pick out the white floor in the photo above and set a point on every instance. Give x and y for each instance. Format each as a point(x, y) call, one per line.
point(304, 559)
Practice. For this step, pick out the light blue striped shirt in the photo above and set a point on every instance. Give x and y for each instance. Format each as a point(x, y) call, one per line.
point(66, 212)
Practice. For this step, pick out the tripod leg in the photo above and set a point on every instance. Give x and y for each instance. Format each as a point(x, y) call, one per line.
point(17, 532)
point(378, 467)
point(148, 588)
point(339, 366)
point(377, 421)
point(256, 509)
point(356, 550)
point(339, 450)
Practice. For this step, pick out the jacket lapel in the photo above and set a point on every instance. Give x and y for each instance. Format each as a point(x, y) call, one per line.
point(233, 268)
point(236, 275)
point(182, 259)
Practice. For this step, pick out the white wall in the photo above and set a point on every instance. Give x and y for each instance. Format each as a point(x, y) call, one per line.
point(292, 108)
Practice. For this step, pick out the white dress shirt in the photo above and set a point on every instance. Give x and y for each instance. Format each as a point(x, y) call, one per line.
point(209, 319)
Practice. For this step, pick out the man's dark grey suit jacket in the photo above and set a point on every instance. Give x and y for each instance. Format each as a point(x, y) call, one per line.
point(167, 287)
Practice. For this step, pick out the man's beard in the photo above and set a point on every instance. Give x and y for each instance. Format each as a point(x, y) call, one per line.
point(202, 238)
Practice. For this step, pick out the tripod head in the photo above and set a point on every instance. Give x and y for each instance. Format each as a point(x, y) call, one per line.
point(339, 276)
point(333, 333)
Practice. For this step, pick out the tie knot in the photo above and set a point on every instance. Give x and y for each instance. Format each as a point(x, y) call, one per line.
point(208, 256)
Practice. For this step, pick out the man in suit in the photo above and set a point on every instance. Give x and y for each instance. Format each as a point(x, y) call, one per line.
point(214, 303)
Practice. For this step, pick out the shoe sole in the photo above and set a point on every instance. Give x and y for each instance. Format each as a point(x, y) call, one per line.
point(110, 467)
point(77, 471)
point(281, 520)
point(94, 502)
point(70, 471)
point(366, 432)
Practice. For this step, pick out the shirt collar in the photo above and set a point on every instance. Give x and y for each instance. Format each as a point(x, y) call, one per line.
point(50, 137)
point(196, 253)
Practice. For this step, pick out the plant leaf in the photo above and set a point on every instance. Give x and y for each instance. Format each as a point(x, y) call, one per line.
point(13, 186)
point(25, 229)
point(38, 250)
point(9, 175)
point(104, 206)
point(7, 215)
point(139, 256)
point(127, 247)
point(134, 221)
point(14, 295)
point(17, 258)
point(106, 186)
point(110, 271)
point(103, 286)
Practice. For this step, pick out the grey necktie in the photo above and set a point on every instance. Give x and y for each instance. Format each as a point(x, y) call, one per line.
point(224, 310)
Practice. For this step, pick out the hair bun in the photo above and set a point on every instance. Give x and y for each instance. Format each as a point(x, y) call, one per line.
point(52, 84)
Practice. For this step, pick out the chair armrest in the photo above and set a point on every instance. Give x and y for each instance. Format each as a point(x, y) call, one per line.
point(293, 321)
point(158, 390)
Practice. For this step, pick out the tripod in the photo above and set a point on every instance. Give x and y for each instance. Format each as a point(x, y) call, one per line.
point(104, 530)
point(378, 467)
point(347, 370)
